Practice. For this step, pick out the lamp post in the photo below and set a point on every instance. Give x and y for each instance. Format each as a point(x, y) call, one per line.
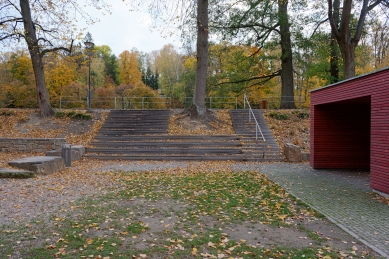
point(89, 45)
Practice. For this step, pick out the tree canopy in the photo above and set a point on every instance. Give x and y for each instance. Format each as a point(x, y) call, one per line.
point(44, 26)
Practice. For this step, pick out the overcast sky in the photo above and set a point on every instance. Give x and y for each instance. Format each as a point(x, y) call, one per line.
point(125, 30)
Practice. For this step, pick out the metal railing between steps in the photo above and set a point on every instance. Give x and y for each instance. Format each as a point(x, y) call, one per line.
point(251, 113)
point(257, 128)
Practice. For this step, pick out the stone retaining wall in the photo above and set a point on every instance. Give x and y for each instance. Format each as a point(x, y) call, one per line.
point(30, 144)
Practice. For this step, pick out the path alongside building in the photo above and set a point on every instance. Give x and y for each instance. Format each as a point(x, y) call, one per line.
point(344, 197)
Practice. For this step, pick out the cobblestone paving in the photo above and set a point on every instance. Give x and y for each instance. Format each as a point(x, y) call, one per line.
point(342, 196)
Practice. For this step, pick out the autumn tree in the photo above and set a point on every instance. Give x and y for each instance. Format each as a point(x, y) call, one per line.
point(263, 23)
point(60, 73)
point(44, 26)
point(169, 64)
point(129, 72)
point(18, 90)
point(347, 35)
point(237, 69)
point(111, 63)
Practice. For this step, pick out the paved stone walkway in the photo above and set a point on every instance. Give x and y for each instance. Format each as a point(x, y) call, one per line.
point(342, 196)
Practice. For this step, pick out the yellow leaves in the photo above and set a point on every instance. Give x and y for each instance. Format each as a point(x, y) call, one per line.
point(129, 73)
point(181, 124)
point(190, 63)
point(194, 251)
point(210, 244)
point(51, 247)
point(58, 218)
point(27, 124)
point(292, 130)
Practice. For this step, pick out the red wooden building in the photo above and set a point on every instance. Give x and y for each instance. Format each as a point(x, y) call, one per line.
point(350, 126)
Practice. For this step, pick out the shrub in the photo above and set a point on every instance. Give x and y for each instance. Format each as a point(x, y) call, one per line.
point(73, 115)
point(303, 114)
point(279, 115)
point(6, 113)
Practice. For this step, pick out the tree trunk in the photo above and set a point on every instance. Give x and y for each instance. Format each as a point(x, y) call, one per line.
point(334, 59)
point(348, 55)
point(287, 88)
point(202, 58)
point(345, 33)
point(36, 58)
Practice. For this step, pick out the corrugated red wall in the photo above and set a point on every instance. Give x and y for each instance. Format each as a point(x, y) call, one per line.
point(350, 126)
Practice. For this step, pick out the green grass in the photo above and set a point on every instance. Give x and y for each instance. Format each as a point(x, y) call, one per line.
point(232, 197)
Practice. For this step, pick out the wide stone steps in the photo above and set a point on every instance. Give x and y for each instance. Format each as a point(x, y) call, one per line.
point(142, 135)
point(135, 122)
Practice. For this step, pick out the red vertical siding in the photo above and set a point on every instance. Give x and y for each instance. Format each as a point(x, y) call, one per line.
point(336, 107)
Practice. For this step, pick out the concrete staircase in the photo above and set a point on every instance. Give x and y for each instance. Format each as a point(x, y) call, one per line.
point(253, 145)
point(142, 135)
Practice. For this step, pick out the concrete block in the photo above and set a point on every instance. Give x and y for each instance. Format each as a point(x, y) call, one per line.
point(14, 173)
point(305, 156)
point(292, 153)
point(40, 164)
point(80, 149)
point(77, 152)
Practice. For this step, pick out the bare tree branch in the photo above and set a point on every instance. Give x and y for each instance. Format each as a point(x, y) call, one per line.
point(318, 25)
point(268, 77)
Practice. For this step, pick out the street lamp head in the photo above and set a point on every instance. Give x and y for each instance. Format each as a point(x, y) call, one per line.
point(89, 44)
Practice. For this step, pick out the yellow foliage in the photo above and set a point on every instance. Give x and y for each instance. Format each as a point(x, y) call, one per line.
point(144, 97)
point(129, 73)
point(190, 63)
point(21, 69)
point(60, 74)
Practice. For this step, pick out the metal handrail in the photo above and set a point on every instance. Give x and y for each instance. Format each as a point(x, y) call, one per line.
point(251, 112)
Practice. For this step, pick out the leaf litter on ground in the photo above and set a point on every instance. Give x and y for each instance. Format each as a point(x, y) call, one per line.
point(172, 211)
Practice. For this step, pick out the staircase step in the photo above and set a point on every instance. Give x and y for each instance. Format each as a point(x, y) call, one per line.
point(142, 135)
point(170, 157)
point(252, 141)
point(166, 144)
